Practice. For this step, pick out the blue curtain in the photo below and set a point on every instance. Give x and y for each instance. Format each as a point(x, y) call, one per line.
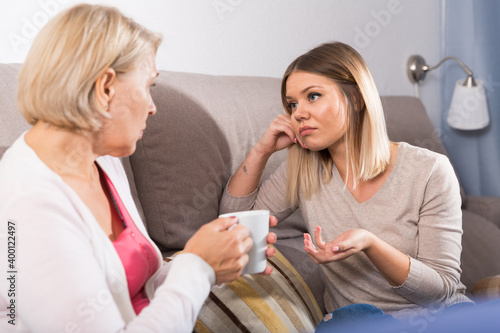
point(472, 33)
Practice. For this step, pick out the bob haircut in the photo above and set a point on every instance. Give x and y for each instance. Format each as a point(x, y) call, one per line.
point(57, 81)
point(366, 140)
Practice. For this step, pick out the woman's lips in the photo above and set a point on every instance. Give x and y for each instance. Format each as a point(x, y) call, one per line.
point(306, 130)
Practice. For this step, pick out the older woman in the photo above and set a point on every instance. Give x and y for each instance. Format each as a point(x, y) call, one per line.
point(86, 263)
point(390, 212)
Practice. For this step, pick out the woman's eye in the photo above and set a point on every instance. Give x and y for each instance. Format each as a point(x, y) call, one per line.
point(292, 106)
point(314, 96)
point(152, 86)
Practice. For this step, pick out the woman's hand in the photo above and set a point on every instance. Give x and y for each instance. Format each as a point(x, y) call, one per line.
point(223, 249)
point(390, 262)
point(279, 135)
point(226, 251)
point(271, 239)
point(344, 246)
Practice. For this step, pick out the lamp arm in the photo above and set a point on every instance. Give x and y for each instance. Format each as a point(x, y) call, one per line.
point(465, 68)
point(417, 69)
point(469, 81)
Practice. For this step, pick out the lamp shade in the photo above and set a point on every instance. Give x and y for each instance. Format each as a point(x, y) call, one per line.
point(469, 108)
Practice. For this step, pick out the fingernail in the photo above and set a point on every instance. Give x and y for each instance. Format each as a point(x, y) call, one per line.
point(335, 249)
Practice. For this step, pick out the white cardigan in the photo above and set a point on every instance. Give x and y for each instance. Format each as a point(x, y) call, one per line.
point(69, 277)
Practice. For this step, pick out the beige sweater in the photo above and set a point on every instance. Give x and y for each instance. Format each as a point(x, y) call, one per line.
point(417, 211)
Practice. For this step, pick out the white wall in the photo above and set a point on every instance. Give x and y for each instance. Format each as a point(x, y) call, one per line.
point(261, 37)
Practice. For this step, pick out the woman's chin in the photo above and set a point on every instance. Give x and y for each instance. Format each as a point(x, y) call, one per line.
point(313, 147)
point(124, 151)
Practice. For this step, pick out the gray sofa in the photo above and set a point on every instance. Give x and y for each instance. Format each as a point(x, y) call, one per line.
point(202, 131)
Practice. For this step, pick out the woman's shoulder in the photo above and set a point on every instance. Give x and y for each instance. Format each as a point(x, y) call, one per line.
point(422, 162)
point(419, 154)
point(20, 164)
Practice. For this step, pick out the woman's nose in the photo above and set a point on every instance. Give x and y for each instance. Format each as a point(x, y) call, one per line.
point(152, 108)
point(301, 113)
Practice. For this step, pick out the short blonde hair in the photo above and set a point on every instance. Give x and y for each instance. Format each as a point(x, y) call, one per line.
point(57, 81)
point(366, 140)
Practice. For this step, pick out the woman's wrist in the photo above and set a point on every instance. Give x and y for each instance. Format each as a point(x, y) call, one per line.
point(260, 152)
point(390, 262)
point(370, 242)
point(255, 162)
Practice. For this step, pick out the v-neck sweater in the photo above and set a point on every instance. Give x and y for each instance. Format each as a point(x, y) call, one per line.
point(417, 210)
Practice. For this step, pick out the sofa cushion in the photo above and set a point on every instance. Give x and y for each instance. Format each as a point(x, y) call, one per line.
point(194, 143)
point(281, 302)
point(486, 206)
point(480, 249)
point(293, 249)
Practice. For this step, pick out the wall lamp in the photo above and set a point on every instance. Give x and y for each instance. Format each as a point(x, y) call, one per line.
point(468, 108)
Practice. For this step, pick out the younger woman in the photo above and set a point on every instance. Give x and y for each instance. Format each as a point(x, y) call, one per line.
point(386, 216)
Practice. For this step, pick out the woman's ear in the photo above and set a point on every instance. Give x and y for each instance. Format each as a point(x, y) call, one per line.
point(104, 87)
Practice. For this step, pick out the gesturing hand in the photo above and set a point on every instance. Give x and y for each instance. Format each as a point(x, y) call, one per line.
point(344, 246)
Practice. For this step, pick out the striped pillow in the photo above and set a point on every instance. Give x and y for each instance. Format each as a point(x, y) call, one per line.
point(486, 289)
point(281, 302)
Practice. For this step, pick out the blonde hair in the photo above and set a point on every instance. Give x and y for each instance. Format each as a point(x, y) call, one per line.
point(57, 81)
point(366, 140)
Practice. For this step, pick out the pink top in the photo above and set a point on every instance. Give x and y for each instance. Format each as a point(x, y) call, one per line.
point(136, 253)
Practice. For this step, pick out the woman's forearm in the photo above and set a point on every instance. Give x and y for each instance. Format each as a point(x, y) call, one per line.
point(246, 179)
point(390, 262)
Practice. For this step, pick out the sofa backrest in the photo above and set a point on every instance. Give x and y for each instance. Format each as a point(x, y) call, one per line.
point(12, 123)
point(204, 127)
point(408, 121)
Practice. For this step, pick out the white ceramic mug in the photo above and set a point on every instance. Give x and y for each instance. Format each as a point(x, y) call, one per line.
point(257, 221)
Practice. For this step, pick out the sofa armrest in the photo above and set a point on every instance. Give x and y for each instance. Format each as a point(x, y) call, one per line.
point(487, 207)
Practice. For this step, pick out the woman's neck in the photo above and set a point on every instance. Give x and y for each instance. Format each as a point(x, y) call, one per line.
point(338, 153)
point(67, 153)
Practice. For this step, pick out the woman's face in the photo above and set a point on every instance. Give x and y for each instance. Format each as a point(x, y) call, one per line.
point(317, 107)
point(129, 109)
